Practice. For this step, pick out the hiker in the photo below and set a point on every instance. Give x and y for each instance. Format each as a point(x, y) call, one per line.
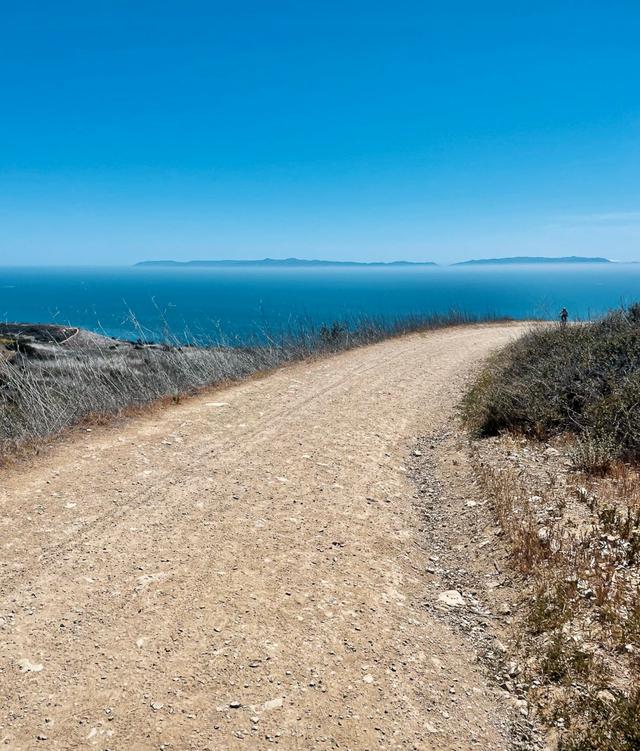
point(563, 317)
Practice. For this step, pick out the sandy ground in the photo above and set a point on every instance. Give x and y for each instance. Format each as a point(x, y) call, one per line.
point(244, 570)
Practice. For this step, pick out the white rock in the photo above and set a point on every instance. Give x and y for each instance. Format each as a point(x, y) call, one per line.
point(452, 598)
point(522, 707)
point(146, 579)
point(26, 666)
point(273, 704)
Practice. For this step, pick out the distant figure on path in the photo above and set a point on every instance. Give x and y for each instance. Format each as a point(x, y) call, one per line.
point(563, 317)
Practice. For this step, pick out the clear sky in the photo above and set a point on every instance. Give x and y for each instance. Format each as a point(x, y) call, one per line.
point(369, 130)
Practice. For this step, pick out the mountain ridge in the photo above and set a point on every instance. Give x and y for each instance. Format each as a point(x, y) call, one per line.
point(306, 263)
point(531, 259)
point(289, 262)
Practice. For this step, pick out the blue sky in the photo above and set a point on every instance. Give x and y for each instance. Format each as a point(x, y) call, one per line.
point(347, 130)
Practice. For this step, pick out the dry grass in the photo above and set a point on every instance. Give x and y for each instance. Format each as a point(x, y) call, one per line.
point(574, 537)
point(43, 391)
point(578, 550)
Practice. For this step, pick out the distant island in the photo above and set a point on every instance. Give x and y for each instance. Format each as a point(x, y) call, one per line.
point(530, 259)
point(279, 262)
point(306, 263)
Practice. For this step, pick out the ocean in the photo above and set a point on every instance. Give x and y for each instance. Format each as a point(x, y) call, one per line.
point(240, 303)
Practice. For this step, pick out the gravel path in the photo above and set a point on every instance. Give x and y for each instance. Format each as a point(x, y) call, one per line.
point(244, 570)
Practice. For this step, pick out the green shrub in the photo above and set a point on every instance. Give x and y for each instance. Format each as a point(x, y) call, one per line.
point(583, 379)
point(612, 725)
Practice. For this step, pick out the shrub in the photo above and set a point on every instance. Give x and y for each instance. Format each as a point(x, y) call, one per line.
point(606, 725)
point(582, 379)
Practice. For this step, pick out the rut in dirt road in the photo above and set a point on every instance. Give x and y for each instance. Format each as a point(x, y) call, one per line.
point(244, 570)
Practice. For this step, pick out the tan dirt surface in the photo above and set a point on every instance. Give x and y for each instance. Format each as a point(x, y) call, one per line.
point(244, 570)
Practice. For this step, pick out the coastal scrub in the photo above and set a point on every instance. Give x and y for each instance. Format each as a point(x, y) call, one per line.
point(582, 379)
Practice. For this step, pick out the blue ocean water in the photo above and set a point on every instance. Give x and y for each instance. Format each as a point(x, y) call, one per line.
point(239, 302)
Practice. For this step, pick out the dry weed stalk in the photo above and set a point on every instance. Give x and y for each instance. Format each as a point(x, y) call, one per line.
point(580, 559)
point(40, 396)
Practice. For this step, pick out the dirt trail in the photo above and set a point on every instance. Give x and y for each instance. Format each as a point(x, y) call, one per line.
point(243, 570)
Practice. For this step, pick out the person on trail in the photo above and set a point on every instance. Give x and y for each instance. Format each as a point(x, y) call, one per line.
point(563, 317)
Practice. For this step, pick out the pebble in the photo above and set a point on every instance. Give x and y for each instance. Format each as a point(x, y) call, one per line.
point(452, 598)
point(273, 703)
point(543, 534)
point(26, 666)
point(522, 707)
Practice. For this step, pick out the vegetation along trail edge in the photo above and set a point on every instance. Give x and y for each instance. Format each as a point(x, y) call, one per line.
point(244, 569)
